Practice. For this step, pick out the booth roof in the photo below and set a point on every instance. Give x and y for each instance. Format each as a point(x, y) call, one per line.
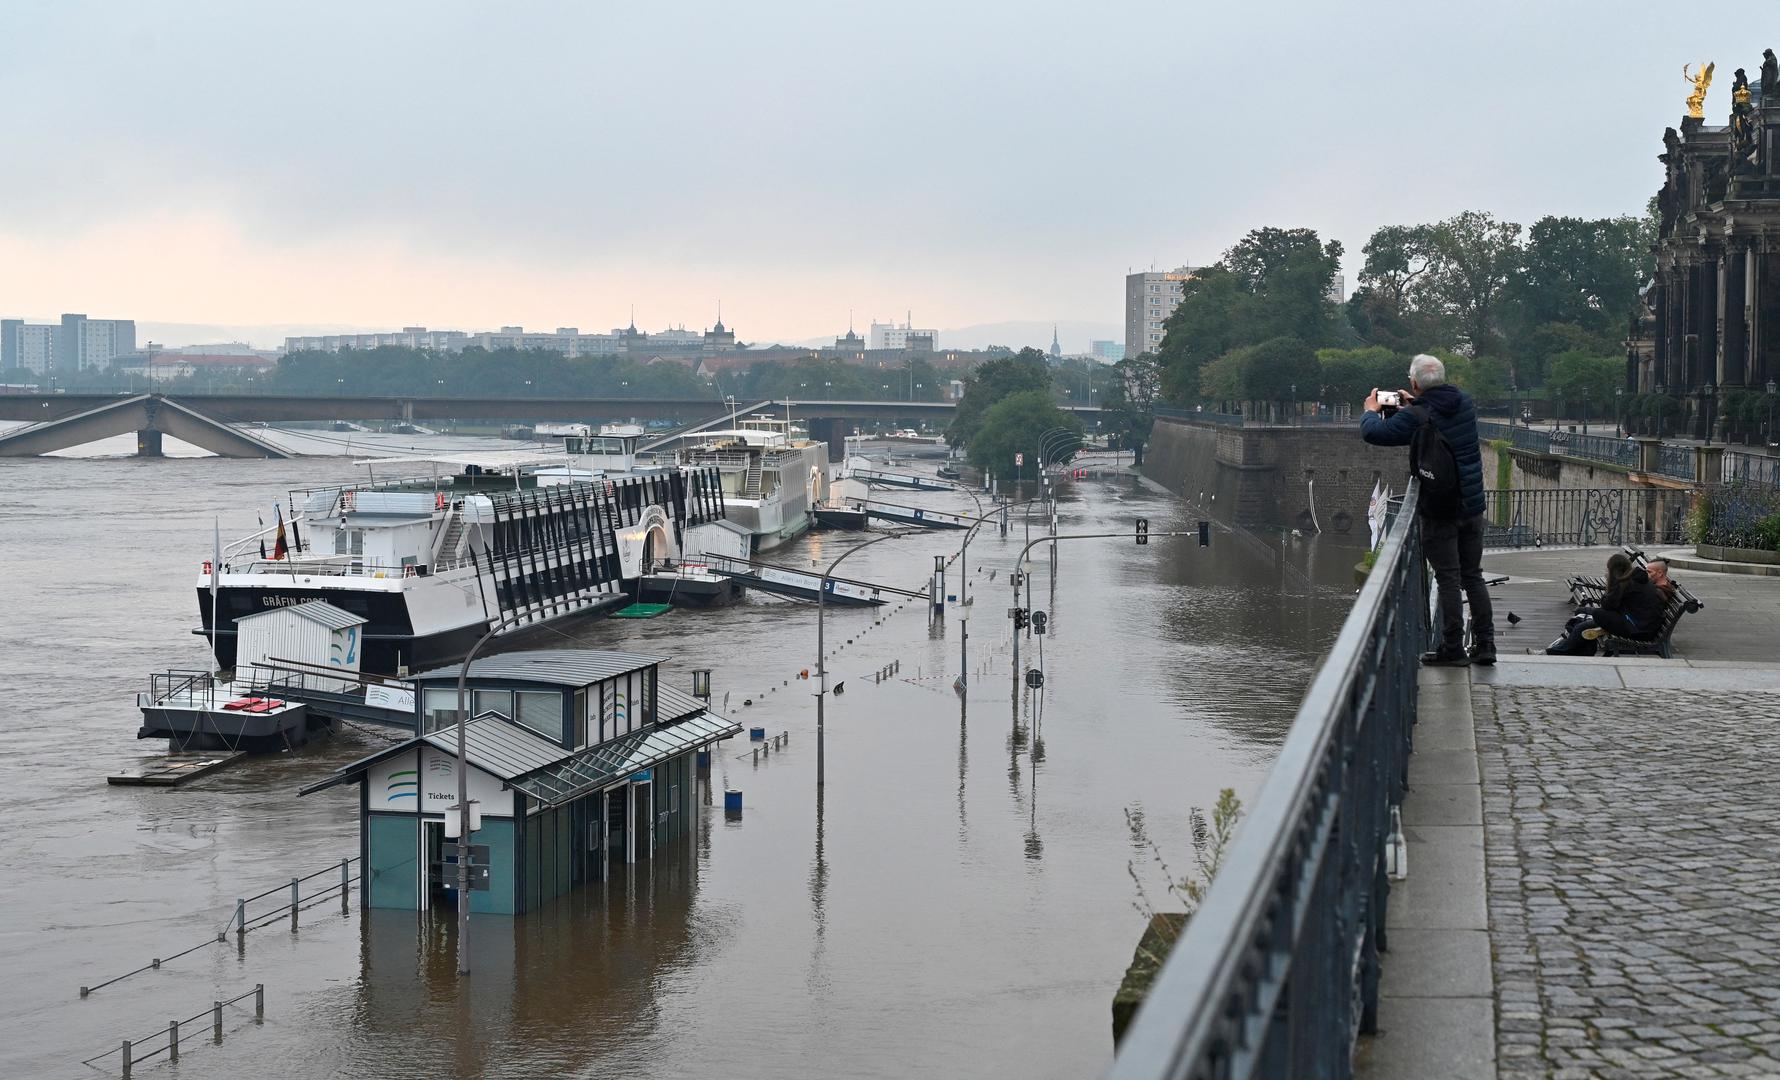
point(546, 771)
point(562, 667)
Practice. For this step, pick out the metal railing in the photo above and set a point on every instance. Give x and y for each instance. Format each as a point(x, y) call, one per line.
point(241, 921)
point(168, 1039)
point(1744, 468)
point(1583, 517)
point(1277, 972)
point(1740, 516)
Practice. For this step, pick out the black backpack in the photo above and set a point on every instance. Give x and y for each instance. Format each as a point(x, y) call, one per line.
point(1431, 459)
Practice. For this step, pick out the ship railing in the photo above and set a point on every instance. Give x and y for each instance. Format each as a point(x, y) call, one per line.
point(326, 566)
point(176, 684)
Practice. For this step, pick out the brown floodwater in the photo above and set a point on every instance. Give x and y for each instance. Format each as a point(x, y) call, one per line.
point(958, 903)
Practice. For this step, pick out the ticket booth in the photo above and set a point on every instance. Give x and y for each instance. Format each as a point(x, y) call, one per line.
point(576, 759)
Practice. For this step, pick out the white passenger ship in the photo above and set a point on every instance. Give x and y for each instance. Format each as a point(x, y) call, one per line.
point(771, 479)
point(498, 539)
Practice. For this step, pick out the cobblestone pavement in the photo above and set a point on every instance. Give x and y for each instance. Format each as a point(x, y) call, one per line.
point(1632, 839)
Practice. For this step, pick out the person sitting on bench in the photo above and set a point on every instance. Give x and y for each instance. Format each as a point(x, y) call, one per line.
point(1658, 570)
point(1631, 607)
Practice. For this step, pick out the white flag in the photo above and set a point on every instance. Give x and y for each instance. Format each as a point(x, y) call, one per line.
point(1375, 511)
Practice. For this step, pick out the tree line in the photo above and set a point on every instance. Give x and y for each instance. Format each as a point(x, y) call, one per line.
point(1512, 310)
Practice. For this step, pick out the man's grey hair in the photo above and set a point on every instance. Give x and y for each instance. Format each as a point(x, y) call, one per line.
point(1427, 371)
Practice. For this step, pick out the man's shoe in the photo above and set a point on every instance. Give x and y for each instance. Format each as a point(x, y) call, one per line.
point(1446, 658)
point(1484, 653)
point(1594, 633)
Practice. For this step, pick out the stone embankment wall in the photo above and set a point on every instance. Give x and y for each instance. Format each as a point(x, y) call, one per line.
point(1654, 509)
point(1529, 471)
point(1281, 477)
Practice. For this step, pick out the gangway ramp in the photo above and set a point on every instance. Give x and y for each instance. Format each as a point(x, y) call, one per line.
point(802, 584)
point(880, 478)
point(919, 516)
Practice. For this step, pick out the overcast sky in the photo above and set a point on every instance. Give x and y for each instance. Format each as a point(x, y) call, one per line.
point(456, 165)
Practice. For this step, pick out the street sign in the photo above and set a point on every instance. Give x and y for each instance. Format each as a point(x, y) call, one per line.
point(1038, 622)
point(1034, 678)
point(1019, 460)
point(478, 853)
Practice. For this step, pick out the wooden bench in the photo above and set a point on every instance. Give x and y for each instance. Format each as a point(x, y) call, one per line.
point(1587, 591)
point(1680, 604)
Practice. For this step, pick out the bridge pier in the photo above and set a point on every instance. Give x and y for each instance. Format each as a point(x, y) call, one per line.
point(834, 433)
point(148, 443)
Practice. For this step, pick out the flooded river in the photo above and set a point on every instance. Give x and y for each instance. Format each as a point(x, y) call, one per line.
point(959, 903)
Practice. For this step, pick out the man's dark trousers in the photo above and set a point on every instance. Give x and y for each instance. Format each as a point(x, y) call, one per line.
point(1454, 548)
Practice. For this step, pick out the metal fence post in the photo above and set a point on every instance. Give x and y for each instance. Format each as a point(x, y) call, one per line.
point(240, 918)
point(259, 1003)
point(172, 1040)
point(293, 905)
point(216, 1021)
point(127, 1052)
point(345, 887)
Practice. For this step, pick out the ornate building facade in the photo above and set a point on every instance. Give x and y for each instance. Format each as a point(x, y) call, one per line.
point(1713, 322)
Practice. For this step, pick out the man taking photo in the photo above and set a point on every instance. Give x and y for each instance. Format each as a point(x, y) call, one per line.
point(1439, 424)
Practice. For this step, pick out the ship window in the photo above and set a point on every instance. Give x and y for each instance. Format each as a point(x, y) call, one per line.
point(541, 711)
point(580, 718)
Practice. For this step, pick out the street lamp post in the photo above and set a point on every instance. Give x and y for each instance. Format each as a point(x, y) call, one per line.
point(1294, 404)
point(822, 651)
point(1706, 393)
point(1585, 412)
point(1771, 388)
point(1619, 412)
point(463, 803)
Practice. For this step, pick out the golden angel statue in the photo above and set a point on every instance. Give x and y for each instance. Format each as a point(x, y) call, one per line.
point(1696, 101)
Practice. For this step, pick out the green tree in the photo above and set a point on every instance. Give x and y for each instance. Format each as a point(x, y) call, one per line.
point(1473, 257)
point(1272, 284)
point(1273, 371)
point(1585, 272)
point(988, 383)
point(1130, 402)
point(1017, 424)
point(1348, 375)
point(1577, 377)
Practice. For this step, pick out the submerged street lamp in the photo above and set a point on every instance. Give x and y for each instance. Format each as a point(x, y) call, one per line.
point(822, 588)
point(1706, 393)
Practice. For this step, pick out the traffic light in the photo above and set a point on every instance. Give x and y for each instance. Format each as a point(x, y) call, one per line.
point(1019, 618)
point(1205, 534)
point(1143, 530)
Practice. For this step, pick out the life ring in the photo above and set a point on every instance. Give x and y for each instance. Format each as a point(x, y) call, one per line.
point(438, 500)
point(346, 499)
point(207, 566)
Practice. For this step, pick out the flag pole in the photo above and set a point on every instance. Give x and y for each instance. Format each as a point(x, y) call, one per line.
point(215, 573)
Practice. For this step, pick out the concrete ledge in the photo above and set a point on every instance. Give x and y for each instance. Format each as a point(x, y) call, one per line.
point(1445, 887)
point(1689, 560)
point(1423, 1037)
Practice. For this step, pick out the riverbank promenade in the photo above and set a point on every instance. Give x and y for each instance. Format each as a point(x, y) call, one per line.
point(1594, 863)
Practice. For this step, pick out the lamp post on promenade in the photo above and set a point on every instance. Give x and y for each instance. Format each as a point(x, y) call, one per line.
point(1770, 432)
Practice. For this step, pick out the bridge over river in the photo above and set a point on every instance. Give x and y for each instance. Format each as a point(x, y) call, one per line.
point(213, 421)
